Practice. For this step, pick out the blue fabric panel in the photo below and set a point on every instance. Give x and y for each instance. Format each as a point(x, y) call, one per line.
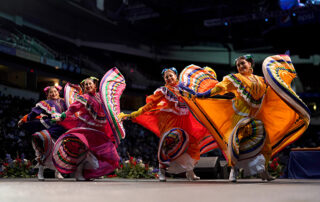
point(304, 165)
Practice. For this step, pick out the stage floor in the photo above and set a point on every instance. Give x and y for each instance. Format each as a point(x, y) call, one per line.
point(118, 190)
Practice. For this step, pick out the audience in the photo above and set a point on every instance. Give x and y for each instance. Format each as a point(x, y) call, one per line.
point(14, 141)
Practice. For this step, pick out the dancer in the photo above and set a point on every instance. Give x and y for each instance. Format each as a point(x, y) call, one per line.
point(247, 131)
point(248, 99)
point(45, 133)
point(88, 148)
point(168, 116)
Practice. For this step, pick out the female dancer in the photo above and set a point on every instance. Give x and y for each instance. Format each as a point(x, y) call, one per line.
point(254, 133)
point(248, 98)
point(168, 116)
point(45, 133)
point(87, 148)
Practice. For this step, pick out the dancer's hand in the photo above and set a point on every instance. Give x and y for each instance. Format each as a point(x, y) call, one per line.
point(184, 93)
point(189, 95)
point(20, 123)
point(59, 118)
point(22, 120)
point(122, 116)
point(55, 120)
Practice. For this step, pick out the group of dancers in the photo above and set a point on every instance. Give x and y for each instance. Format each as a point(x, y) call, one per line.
point(80, 133)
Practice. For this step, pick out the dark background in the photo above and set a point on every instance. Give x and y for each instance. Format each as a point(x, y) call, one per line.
point(141, 37)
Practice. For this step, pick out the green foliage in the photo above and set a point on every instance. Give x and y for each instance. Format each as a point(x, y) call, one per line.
point(18, 168)
point(135, 169)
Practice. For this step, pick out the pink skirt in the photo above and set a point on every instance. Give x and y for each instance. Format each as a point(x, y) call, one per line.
point(85, 145)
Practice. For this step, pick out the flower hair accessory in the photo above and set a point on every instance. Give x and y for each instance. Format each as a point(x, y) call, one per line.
point(46, 89)
point(247, 57)
point(94, 79)
point(171, 68)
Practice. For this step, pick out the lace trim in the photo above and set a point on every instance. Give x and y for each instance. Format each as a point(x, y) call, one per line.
point(47, 108)
point(181, 107)
point(243, 92)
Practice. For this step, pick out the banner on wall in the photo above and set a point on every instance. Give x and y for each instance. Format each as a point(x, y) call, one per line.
point(8, 50)
point(40, 59)
point(51, 62)
point(27, 55)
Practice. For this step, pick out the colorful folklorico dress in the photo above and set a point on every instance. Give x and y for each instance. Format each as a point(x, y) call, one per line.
point(93, 129)
point(45, 133)
point(182, 137)
point(260, 120)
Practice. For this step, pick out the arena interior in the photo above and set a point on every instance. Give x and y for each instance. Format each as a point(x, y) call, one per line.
point(52, 42)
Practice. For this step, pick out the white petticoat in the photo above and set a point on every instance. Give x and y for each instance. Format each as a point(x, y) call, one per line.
point(252, 166)
point(182, 164)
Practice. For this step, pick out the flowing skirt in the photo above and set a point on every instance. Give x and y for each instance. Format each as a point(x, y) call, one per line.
point(42, 144)
point(91, 147)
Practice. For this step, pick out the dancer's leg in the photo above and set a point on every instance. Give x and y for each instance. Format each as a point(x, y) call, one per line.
point(191, 175)
point(233, 174)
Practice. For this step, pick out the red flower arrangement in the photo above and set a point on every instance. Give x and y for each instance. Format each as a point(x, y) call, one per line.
point(17, 168)
point(275, 169)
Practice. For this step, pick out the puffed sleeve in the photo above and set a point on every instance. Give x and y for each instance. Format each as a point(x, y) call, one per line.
point(222, 87)
point(36, 111)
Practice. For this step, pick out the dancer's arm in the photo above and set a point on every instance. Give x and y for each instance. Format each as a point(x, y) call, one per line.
point(152, 101)
point(221, 88)
point(73, 108)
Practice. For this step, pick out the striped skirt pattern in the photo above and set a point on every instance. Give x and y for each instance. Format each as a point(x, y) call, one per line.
point(43, 144)
point(172, 145)
point(69, 152)
point(247, 139)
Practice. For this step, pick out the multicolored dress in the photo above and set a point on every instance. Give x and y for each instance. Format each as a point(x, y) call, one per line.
point(92, 135)
point(45, 132)
point(260, 120)
point(182, 137)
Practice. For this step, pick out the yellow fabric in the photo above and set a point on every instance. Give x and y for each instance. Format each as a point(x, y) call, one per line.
point(218, 114)
point(282, 124)
point(136, 113)
point(253, 84)
point(211, 71)
point(284, 121)
point(280, 120)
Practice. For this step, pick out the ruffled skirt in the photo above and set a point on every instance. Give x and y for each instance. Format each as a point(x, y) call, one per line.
point(85, 146)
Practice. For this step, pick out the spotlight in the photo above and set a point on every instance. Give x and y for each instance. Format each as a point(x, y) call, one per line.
point(294, 14)
point(226, 23)
point(266, 19)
